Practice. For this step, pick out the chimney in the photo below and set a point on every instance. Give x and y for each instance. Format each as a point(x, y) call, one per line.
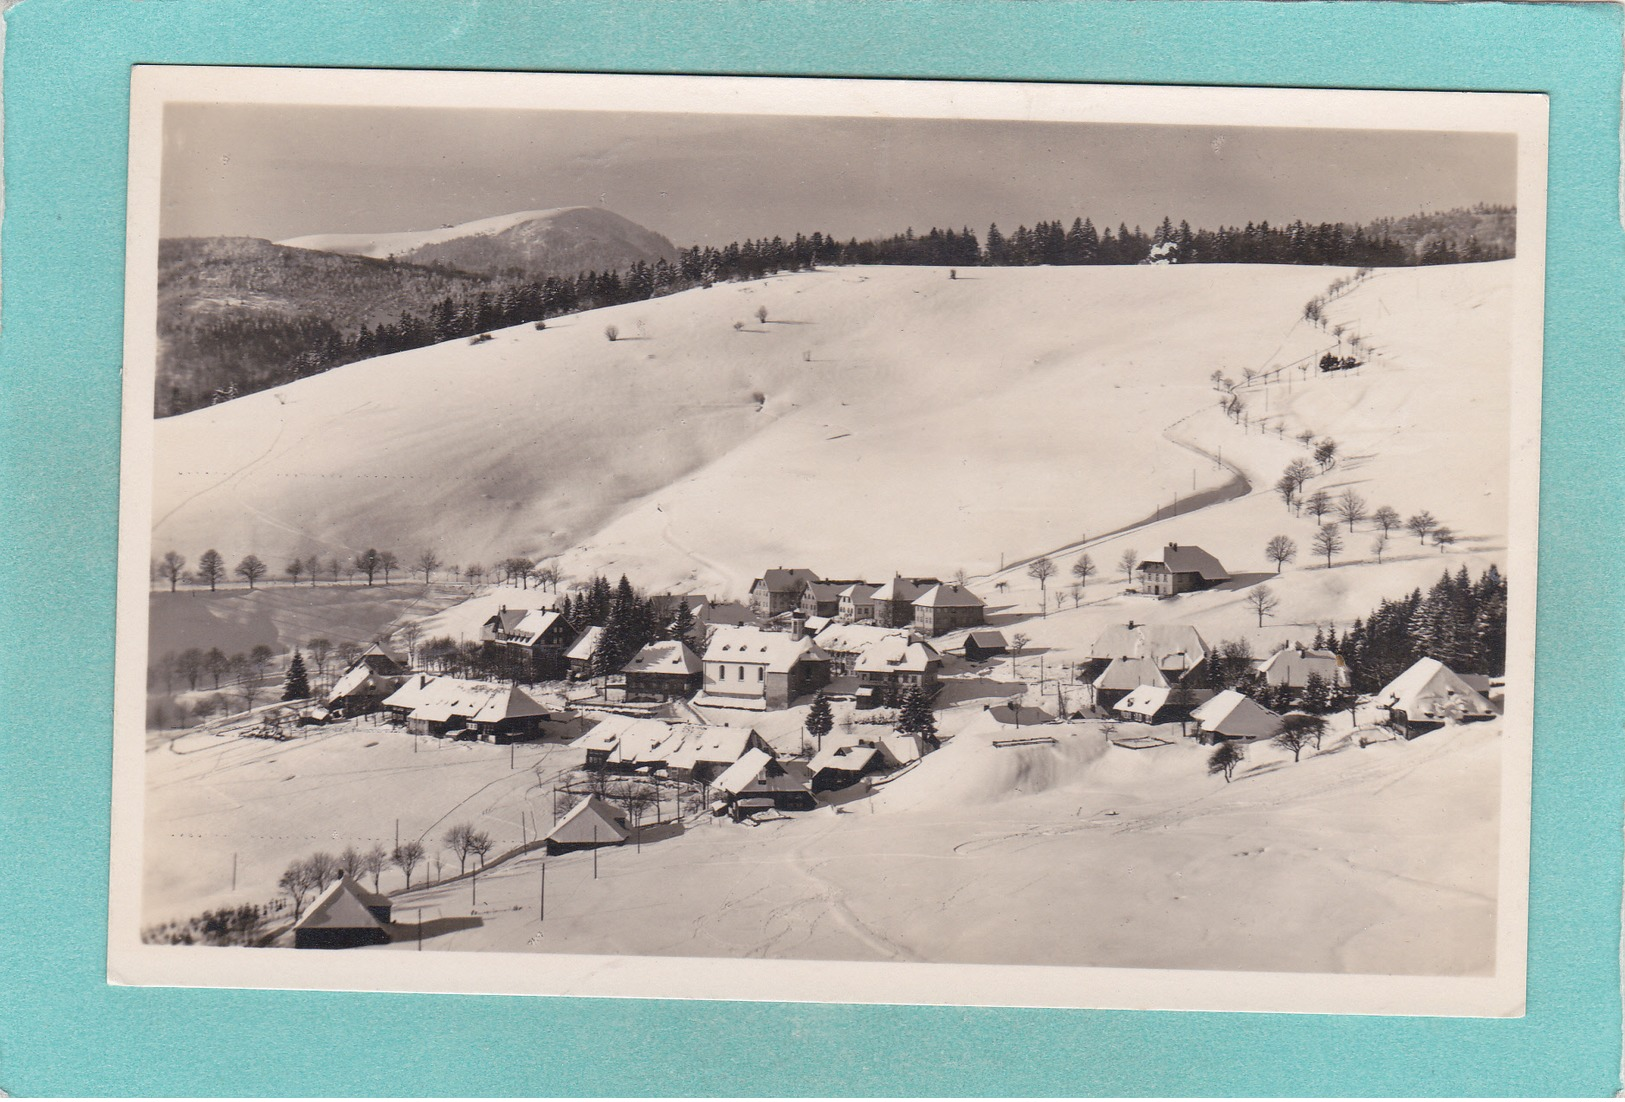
point(1131, 625)
point(1173, 547)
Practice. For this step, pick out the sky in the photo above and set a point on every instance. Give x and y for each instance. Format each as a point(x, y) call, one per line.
point(278, 171)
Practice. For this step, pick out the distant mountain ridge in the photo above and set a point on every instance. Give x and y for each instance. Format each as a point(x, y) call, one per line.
point(534, 243)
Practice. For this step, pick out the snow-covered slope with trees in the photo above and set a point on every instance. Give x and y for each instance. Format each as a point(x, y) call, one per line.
point(953, 422)
point(560, 241)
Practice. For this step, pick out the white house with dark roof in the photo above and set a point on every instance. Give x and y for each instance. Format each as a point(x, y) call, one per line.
point(578, 658)
point(856, 602)
point(845, 643)
point(891, 667)
point(756, 670)
point(947, 607)
point(1126, 656)
point(444, 705)
point(779, 590)
point(894, 601)
point(1181, 569)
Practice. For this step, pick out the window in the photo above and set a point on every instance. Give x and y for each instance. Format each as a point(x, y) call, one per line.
point(761, 673)
point(741, 673)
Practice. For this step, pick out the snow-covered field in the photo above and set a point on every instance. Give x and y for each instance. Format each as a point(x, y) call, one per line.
point(892, 419)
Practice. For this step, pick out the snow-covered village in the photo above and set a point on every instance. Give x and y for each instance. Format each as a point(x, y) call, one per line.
point(1055, 592)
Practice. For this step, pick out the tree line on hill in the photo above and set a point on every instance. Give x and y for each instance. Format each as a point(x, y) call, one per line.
point(229, 353)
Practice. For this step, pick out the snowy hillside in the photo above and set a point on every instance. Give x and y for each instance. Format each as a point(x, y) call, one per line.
point(952, 422)
point(561, 241)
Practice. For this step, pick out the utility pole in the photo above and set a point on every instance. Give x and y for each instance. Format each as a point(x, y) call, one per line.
point(595, 853)
point(541, 906)
point(234, 872)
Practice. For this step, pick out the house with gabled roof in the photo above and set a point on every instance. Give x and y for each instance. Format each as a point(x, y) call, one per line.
point(1144, 704)
point(948, 607)
point(757, 670)
point(1429, 695)
point(1126, 656)
point(666, 670)
point(1181, 569)
point(823, 598)
point(845, 643)
point(591, 822)
point(448, 705)
point(985, 643)
point(758, 780)
point(894, 600)
point(1293, 666)
point(383, 661)
point(362, 691)
point(578, 658)
point(842, 766)
point(539, 636)
point(889, 668)
point(624, 744)
point(345, 915)
point(1233, 715)
point(779, 590)
point(709, 749)
point(856, 603)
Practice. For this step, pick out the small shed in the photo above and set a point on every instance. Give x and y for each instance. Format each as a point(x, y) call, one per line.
point(592, 822)
point(344, 916)
point(982, 645)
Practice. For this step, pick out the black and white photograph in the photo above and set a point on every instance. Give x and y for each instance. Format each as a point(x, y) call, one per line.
point(840, 540)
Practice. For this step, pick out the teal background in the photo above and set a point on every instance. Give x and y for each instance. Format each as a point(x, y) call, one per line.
point(63, 1031)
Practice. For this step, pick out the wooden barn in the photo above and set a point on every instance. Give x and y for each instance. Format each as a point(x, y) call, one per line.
point(578, 658)
point(1233, 715)
point(984, 644)
point(758, 779)
point(1429, 695)
point(592, 822)
point(344, 916)
point(841, 767)
point(663, 671)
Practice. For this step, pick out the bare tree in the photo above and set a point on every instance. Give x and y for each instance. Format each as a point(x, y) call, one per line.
point(251, 569)
point(1350, 506)
point(313, 567)
point(473, 572)
point(1326, 453)
point(1280, 550)
point(211, 568)
point(217, 664)
point(1443, 538)
point(479, 844)
point(1386, 518)
point(322, 868)
point(1306, 438)
point(1084, 569)
point(761, 314)
point(369, 562)
point(1018, 641)
point(171, 567)
point(411, 632)
point(295, 568)
point(373, 863)
point(459, 839)
point(611, 333)
point(1128, 562)
point(427, 562)
point(406, 857)
point(296, 882)
point(1287, 487)
point(351, 862)
point(1320, 503)
point(319, 649)
point(334, 569)
point(388, 563)
point(1421, 524)
point(1042, 570)
point(1379, 545)
point(1262, 601)
point(1224, 759)
point(1299, 472)
point(1328, 541)
point(1298, 731)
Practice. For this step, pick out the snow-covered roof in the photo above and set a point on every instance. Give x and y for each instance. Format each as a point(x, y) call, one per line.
point(856, 638)
point(948, 596)
point(1430, 690)
point(533, 625)
point(1171, 646)
point(859, 591)
point(362, 680)
point(410, 692)
point(585, 644)
point(1293, 666)
point(903, 589)
point(439, 699)
point(848, 758)
point(1126, 674)
point(632, 740)
point(825, 591)
point(714, 745)
point(739, 776)
point(897, 655)
point(506, 619)
point(672, 656)
point(987, 638)
point(781, 580)
point(777, 650)
point(378, 659)
point(1186, 559)
point(591, 820)
point(1145, 700)
point(343, 906)
point(1017, 714)
point(902, 749)
point(1236, 715)
point(728, 612)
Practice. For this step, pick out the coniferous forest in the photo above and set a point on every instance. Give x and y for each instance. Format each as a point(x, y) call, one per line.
point(238, 316)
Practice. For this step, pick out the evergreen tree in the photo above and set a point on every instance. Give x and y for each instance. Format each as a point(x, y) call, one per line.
point(297, 684)
point(820, 721)
point(682, 625)
point(915, 717)
point(1316, 698)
